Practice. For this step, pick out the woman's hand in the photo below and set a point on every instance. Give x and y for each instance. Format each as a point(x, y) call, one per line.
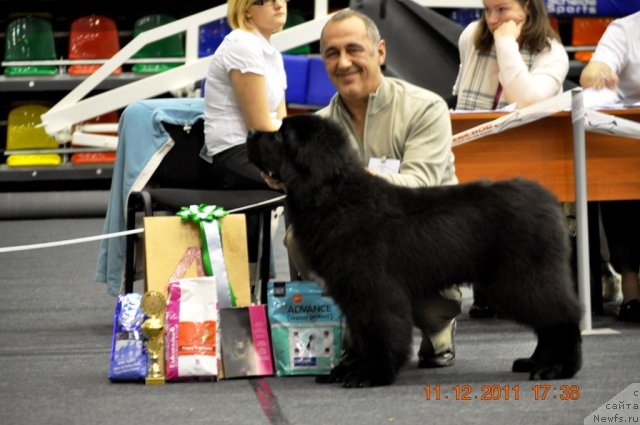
point(598, 75)
point(271, 182)
point(508, 29)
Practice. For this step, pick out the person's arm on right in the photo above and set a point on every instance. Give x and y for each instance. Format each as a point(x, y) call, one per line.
point(607, 60)
point(598, 75)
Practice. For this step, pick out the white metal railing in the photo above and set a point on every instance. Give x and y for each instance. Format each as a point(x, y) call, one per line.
point(74, 108)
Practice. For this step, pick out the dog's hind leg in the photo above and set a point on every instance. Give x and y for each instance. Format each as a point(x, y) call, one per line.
point(545, 302)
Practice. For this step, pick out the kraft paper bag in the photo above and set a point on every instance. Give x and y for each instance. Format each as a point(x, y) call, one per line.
point(173, 251)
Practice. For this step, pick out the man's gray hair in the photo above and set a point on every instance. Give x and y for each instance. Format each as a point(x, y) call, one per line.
point(372, 29)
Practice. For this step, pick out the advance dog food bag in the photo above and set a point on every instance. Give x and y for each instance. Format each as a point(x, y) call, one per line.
point(306, 328)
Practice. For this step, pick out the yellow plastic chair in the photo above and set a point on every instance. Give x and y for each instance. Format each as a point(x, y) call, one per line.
point(22, 134)
point(29, 38)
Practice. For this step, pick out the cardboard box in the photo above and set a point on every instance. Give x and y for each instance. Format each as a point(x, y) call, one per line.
point(245, 342)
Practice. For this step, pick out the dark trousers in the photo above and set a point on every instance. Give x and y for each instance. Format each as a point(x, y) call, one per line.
point(231, 169)
point(621, 221)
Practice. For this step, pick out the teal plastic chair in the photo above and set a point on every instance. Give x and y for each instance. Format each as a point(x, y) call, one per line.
point(29, 38)
point(169, 47)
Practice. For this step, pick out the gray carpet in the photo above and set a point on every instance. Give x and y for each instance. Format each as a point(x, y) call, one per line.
point(55, 333)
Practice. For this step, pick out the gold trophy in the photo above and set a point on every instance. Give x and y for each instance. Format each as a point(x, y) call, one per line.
point(153, 305)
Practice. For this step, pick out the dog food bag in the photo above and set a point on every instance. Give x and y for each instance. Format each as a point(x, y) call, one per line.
point(128, 354)
point(192, 329)
point(244, 342)
point(306, 328)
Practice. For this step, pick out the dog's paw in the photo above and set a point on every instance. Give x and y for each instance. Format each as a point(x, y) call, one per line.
point(360, 378)
point(356, 380)
point(337, 374)
point(545, 371)
point(524, 365)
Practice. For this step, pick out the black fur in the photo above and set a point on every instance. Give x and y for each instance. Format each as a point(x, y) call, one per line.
point(379, 246)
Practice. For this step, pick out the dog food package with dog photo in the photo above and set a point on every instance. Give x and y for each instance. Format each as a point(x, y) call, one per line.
point(192, 329)
point(306, 328)
point(244, 342)
point(128, 353)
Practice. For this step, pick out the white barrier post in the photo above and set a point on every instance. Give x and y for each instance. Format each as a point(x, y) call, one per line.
point(582, 231)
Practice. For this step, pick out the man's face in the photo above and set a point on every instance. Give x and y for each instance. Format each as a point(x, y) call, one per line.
point(351, 60)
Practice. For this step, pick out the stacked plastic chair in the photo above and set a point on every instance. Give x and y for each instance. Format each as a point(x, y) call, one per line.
point(169, 47)
point(22, 134)
point(320, 89)
point(92, 37)
point(97, 157)
point(211, 35)
point(29, 38)
point(295, 17)
point(587, 32)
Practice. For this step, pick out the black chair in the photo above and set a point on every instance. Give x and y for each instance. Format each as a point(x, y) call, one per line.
point(181, 180)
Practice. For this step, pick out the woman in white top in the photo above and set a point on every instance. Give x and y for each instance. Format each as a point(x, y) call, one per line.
point(244, 89)
point(510, 55)
point(616, 65)
point(616, 62)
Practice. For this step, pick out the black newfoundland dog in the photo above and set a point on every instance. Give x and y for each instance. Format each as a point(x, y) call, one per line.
point(378, 247)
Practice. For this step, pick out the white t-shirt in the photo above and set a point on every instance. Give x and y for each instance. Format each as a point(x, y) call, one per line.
point(247, 52)
point(619, 48)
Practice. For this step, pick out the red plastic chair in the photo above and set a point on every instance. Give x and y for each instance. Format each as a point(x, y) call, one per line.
point(97, 157)
point(587, 32)
point(92, 37)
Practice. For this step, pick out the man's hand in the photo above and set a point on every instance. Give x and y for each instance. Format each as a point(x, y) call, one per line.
point(271, 182)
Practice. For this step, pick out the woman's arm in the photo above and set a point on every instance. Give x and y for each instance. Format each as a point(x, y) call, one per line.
point(527, 86)
point(282, 109)
point(598, 75)
point(251, 93)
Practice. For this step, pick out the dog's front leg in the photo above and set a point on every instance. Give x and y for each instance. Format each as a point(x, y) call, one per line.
point(381, 337)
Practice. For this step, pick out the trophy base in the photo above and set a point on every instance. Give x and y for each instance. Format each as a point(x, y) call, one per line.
point(154, 380)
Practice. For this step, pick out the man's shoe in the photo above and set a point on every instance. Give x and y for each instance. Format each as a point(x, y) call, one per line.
point(447, 358)
point(630, 311)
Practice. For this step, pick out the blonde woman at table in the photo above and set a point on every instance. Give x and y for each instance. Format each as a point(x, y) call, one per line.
point(616, 65)
point(510, 55)
point(244, 88)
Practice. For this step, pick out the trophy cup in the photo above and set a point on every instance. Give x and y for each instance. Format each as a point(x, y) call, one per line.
point(153, 305)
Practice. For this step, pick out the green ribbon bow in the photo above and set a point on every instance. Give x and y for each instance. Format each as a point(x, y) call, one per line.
point(202, 212)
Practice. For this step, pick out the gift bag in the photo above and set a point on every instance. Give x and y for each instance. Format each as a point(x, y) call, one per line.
point(128, 354)
point(192, 329)
point(306, 328)
point(245, 343)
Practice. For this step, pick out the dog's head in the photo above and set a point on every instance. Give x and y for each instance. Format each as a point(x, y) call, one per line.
point(306, 149)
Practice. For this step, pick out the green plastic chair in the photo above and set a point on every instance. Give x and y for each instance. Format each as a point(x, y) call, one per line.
point(29, 38)
point(169, 47)
point(294, 18)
